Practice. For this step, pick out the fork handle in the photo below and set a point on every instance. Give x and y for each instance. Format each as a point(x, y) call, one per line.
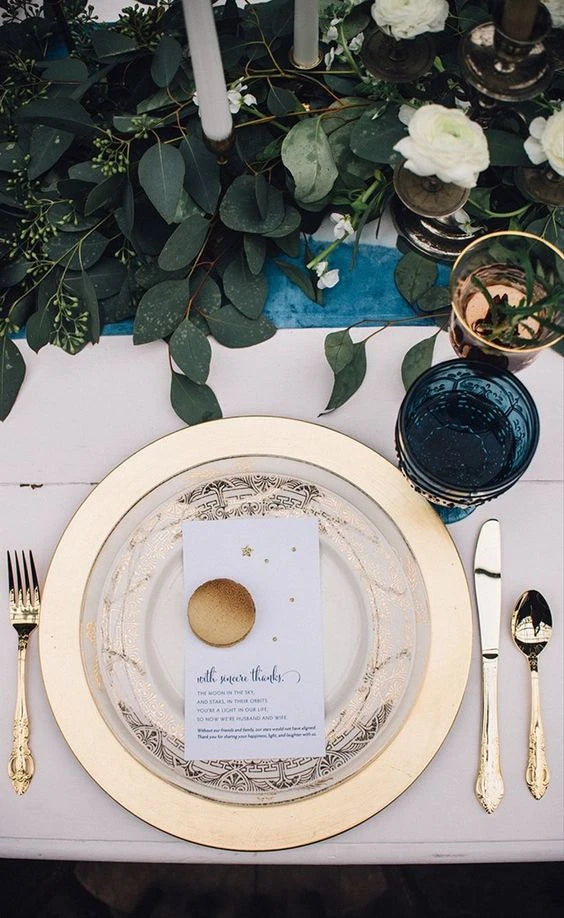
point(20, 766)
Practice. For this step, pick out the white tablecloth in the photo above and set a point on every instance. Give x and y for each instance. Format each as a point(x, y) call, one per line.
point(76, 418)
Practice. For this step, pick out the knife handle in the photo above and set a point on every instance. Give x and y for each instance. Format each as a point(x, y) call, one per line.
point(537, 774)
point(489, 784)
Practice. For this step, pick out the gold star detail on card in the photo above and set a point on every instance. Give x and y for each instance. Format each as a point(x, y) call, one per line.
point(247, 551)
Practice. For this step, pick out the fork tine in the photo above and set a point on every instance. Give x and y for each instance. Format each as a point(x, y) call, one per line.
point(26, 579)
point(10, 574)
point(18, 574)
point(34, 578)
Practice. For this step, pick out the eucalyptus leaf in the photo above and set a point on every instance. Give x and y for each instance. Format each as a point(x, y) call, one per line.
point(506, 149)
point(374, 134)
point(66, 114)
point(255, 252)
point(307, 156)
point(417, 359)
point(11, 157)
point(246, 290)
point(46, 147)
point(12, 372)
point(106, 276)
point(76, 250)
point(205, 293)
point(414, 275)
point(261, 194)
point(184, 244)
point(349, 379)
point(86, 172)
point(13, 272)
point(231, 328)
point(193, 403)
point(40, 327)
point(280, 101)
point(166, 60)
point(339, 349)
point(67, 70)
point(161, 174)
point(290, 244)
point(109, 44)
point(290, 222)
point(201, 180)
point(435, 299)
point(191, 351)
point(299, 277)
point(160, 310)
point(239, 210)
point(104, 195)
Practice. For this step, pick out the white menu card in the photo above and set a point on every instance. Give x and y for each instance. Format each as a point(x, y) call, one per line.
point(262, 697)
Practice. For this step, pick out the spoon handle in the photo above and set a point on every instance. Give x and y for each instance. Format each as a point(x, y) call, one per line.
point(537, 774)
point(489, 783)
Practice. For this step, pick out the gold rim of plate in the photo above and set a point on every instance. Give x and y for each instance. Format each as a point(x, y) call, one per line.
point(280, 825)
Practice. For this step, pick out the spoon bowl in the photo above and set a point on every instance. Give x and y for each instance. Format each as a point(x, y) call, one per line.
point(531, 628)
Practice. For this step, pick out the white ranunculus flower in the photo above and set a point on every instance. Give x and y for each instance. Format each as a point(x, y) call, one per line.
point(343, 226)
point(446, 143)
point(556, 10)
point(546, 141)
point(326, 278)
point(408, 18)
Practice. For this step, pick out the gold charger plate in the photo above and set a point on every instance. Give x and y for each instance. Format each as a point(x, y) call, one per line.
point(149, 792)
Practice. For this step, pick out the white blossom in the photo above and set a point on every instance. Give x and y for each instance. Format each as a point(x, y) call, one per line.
point(236, 98)
point(355, 44)
point(556, 10)
point(333, 52)
point(465, 222)
point(326, 278)
point(343, 226)
point(546, 141)
point(408, 18)
point(332, 32)
point(446, 143)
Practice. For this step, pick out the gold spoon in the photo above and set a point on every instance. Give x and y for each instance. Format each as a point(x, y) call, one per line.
point(531, 627)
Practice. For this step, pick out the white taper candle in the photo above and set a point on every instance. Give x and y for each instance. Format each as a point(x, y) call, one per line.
point(306, 33)
point(217, 123)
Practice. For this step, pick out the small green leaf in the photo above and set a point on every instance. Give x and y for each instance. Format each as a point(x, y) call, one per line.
point(239, 210)
point(11, 157)
point(193, 403)
point(76, 250)
point(112, 45)
point(46, 147)
point(307, 156)
point(104, 195)
point(281, 101)
point(205, 293)
point(160, 310)
point(349, 379)
point(86, 172)
point(12, 372)
point(255, 252)
point(166, 60)
point(290, 223)
point(233, 329)
point(417, 359)
point(191, 351)
point(39, 327)
point(290, 244)
point(373, 138)
point(246, 291)
point(184, 244)
point(202, 180)
point(161, 174)
point(414, 275)
point(301, 278)
point(64, 113)
point(435, 299)
point(339, 349)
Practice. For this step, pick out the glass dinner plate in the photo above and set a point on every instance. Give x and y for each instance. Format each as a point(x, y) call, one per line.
point(396, 635)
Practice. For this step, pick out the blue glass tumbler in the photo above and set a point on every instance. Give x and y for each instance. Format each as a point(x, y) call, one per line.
point(465, 433)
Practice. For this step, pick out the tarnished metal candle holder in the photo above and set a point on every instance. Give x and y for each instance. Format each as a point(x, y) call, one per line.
point(505, 68)
point(397, 61)
point(423, 211)
point(541, 184)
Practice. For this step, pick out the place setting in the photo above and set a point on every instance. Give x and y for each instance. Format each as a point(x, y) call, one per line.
point(257, 632)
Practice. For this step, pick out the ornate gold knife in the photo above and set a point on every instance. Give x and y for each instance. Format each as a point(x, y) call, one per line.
point(487, 582)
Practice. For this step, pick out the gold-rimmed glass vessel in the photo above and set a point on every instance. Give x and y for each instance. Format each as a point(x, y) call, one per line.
point(507, 295)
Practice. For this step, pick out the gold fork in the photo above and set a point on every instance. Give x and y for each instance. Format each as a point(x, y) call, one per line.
point(24, 614)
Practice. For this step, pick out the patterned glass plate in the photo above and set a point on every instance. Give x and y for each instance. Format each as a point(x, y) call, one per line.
point(375, 616)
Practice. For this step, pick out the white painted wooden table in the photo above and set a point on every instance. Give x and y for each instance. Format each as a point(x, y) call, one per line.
point(76, 418)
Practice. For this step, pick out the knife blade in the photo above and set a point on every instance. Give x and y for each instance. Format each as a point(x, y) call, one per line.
point(487, 584)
